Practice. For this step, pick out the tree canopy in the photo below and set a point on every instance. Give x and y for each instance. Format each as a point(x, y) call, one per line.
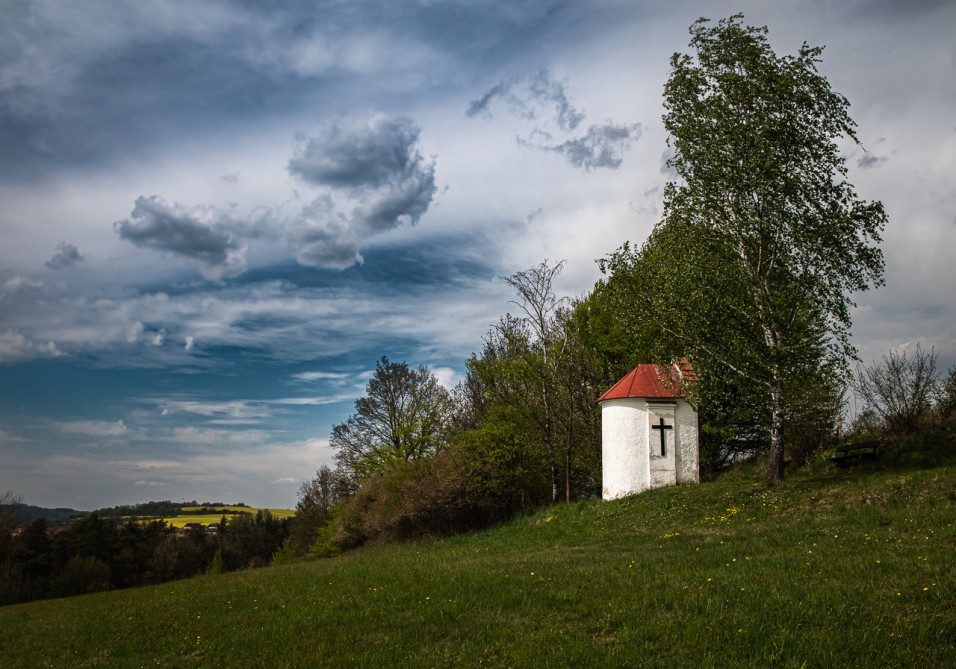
point(402, 416)
point(763, 240)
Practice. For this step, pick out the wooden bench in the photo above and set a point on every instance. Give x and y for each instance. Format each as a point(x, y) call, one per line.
point(848, 452)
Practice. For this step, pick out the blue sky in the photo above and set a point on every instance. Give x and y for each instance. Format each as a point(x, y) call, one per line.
point(216, 216)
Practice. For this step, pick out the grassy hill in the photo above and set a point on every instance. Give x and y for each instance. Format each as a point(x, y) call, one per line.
point(834, 567)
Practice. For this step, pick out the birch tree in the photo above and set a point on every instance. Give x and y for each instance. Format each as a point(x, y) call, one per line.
point(763, 240)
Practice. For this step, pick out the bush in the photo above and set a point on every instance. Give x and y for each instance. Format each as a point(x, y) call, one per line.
point(900, 388)
point(82, 575)
point(946, 404)
point(324, 545)
point(414, 500)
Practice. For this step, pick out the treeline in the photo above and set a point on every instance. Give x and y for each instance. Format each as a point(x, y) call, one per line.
point(523, 429)
point(97, 553)
point(160, 509)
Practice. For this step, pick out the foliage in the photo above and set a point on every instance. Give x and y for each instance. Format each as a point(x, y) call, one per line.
point(830, 568)
point(318, 501)
point(402, 416)
point(503, 475)
point(542, 373)
point(763, 239)
point(324, 545)
point(947, 395)
point(413, 500)
point(95, 553)
point(81, 575)
point(900, 388)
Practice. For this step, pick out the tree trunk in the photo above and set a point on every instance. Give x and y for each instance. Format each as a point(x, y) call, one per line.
point(567, 472)
point(775, 462)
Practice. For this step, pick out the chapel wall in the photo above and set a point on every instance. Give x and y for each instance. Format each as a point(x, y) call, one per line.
point(624, 457)
point(688, 444)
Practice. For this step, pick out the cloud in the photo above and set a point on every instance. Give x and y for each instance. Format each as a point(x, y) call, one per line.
point(869, 160)
point(536, 97)
point(602, 146)
point(323, 237)
point(151, 484)
point(203, 234)
point(380, 153)
point(93, 428)
point(310, 401)
point(66, 256)
point(14, 347)
point(545, 103)
point(18, 284)
point(238, 409)
point(375, 172)
point(320, 376)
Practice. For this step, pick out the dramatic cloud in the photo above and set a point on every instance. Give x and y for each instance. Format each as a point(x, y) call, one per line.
point(204, 234)
point(323, 237)
point(66, 256)
point(377, 171)
point(546, 104)
point(538, 97)
point(602, 146)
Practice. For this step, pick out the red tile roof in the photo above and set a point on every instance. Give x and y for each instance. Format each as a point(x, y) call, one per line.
point(651, 382)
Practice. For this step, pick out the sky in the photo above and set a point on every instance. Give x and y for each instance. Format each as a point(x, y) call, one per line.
point(216, 216)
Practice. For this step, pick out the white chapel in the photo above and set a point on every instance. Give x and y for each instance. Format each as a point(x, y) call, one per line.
point(649, 434)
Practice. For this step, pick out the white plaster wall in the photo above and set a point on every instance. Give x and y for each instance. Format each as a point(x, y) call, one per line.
point(688, 445)
point(663, 468)
point(624, 457)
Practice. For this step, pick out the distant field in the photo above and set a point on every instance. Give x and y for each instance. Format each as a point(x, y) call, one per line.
point(278, 513)
point(215, 514)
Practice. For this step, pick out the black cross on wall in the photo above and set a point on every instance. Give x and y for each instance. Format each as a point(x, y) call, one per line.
point(663, 426)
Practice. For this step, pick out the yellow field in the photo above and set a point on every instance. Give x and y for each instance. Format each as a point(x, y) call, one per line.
point(276, 513)
point(216, 513)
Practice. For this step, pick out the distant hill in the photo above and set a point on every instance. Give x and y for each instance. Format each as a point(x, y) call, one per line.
point(26, 514)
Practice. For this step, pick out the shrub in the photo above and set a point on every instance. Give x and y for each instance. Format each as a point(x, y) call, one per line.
point(324, 545)
point(900, 388)
point(413, 500)
point(946, 404)
point(82, 575)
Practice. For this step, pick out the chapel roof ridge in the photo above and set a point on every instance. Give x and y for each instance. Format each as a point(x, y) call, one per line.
point(652, 381)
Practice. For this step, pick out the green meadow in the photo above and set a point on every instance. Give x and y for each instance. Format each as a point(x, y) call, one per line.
point(834, 567)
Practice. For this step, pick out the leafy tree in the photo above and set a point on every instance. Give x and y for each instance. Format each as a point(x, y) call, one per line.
point(318, 498)
point(544, 346)
point(10, 502)
point(80, 576)
point(32, 551)
point(403, 416)
point(763, 239)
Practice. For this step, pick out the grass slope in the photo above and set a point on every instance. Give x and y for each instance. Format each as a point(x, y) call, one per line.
point(851, 568)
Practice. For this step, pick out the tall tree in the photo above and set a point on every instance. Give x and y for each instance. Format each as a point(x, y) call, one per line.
point(763, 239)
point(403, 416)
point(537, 299)
point(318, 498)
